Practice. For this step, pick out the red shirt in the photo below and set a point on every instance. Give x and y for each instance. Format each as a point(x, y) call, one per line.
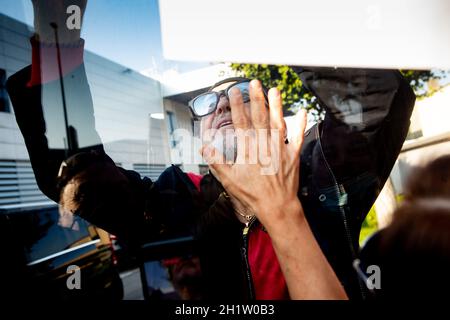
point(268, 279)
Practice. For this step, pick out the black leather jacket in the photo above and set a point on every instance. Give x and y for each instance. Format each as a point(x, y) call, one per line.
point(345, 162)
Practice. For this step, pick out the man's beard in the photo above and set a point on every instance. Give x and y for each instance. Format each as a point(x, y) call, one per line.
point(226, 143)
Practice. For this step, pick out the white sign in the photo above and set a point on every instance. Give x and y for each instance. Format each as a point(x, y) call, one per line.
point(355, 33)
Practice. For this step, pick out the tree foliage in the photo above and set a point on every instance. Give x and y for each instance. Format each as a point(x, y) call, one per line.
point(294, 94)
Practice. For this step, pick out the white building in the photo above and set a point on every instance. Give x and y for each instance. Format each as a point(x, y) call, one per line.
point(124, 101)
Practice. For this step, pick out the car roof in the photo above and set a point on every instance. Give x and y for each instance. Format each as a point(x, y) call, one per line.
point(5, 209)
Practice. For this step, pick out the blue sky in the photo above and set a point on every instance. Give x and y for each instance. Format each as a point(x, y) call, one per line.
point(127, 32)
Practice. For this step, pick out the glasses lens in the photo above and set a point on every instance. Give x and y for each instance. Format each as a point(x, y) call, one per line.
point(244, 88)
point(205, 104)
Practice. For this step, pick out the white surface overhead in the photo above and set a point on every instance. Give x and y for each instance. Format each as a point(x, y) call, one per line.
point(176, 83)
point(356, 33)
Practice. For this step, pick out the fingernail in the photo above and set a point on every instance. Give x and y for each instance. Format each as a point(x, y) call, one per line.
point(274, 91)
point(255, 84)
point(235, 92)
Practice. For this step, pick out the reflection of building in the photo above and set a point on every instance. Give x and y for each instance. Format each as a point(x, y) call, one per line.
point(429, 138)
point(123, 101)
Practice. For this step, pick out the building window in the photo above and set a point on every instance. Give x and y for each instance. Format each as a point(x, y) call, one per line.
point(152, 171)
point(4, 101)
point(171, 124)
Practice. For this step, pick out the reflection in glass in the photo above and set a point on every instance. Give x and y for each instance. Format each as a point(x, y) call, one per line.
point(118, 172)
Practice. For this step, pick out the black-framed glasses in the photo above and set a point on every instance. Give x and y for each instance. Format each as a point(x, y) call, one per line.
point(206, 103)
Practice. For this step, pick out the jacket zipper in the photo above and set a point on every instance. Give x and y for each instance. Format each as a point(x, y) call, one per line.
point(244, 251)
point(342, 196)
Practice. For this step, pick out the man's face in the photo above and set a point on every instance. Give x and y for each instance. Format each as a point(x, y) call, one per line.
point(218, 126)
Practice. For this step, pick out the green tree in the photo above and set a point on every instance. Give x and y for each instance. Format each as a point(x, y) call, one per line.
point(294, 94)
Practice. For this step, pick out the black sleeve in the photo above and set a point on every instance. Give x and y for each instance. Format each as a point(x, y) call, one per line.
point(32, 105)
point(367, 117)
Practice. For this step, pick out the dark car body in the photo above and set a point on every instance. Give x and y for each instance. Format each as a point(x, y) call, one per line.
point(37, 251)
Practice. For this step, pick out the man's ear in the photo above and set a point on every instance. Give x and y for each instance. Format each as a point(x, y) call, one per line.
point(67, 200)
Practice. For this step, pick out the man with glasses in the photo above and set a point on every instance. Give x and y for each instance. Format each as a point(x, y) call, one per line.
point(214, 110)
point(345, 160)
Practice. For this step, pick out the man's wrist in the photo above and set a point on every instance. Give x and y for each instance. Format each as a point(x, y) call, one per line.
point(283, 216)
point(50, 39)
point(46, 42)
point(44, 66)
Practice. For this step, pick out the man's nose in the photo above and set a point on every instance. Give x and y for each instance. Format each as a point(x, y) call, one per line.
point(223, 105)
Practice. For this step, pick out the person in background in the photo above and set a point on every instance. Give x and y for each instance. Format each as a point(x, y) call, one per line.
point(413, 252)
point(430, 181)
